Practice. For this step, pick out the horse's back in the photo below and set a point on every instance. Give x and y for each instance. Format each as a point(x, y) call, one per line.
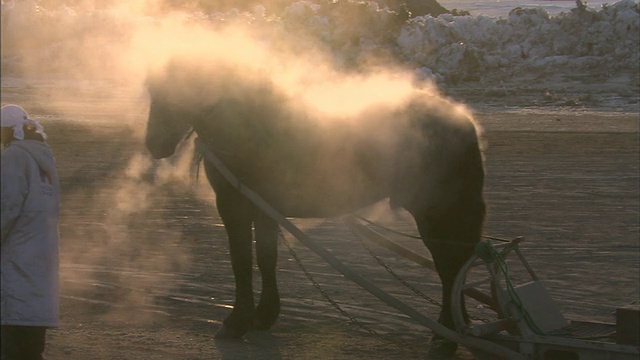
point(310, 166)
point(441, 163)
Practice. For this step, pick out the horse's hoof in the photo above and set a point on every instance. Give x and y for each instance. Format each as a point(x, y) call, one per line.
point(441, 349)
point(266, 317)
point(226, 332)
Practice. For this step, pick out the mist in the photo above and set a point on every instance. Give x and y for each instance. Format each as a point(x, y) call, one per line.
point(118, 43)
point(96, 59)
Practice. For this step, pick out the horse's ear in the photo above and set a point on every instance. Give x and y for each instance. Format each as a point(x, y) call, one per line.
point(157, 76)
point(150, 83)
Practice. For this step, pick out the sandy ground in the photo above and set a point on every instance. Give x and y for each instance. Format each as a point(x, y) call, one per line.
point(145, 271)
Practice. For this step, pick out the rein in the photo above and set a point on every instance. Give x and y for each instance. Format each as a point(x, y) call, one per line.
point(327, 256)
point(186, 137)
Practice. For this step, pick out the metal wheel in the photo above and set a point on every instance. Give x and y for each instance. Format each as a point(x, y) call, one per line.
point(477, 305)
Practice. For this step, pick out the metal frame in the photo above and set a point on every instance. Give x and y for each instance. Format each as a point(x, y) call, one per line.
point(514, 332)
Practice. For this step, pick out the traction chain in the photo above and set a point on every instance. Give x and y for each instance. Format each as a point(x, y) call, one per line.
point(321, 290)
point(395, 275)
point(379, 261)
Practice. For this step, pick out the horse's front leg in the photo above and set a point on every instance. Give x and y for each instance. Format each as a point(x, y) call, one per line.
point(266, 231)
point(236, 213)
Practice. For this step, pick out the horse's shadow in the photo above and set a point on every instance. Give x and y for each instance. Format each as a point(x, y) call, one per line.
point(255, 345)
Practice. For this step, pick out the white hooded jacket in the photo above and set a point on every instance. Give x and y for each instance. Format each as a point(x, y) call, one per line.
point(30, 245)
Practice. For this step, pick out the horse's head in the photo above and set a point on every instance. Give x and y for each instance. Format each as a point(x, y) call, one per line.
point(167, 124)
point(190, 91)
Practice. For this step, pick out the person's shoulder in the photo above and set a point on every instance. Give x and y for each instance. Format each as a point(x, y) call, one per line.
point(14, 152)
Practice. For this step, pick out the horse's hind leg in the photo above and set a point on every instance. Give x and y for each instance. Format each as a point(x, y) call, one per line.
point(449, 210)
point(450, 232)
point(266, 231)
point(451, 241)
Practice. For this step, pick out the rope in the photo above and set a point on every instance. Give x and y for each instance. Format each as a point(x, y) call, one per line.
point(261, 204)
point(489, 255)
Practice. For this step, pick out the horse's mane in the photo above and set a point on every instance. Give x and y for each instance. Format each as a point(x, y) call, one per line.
point(197, 84)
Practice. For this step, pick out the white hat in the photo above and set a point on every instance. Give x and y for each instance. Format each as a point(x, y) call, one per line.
point(15, 117)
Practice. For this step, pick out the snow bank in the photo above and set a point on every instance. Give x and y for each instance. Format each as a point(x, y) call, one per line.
point(452, 50)
point(466, 48)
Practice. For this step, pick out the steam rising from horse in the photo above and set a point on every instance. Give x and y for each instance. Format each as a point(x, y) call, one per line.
point(423, 155)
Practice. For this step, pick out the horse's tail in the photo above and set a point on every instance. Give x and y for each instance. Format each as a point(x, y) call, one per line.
point(444, 187)
point(447, 197)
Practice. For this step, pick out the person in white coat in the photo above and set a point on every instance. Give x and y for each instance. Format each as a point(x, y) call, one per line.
point(29, 254)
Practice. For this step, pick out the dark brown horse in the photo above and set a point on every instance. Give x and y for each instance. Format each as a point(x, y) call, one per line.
point(422, 153)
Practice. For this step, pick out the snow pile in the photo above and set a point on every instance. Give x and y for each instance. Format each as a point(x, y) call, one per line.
point(465, 48)
point(576, 57)
point(356, 33)
point(582, 47)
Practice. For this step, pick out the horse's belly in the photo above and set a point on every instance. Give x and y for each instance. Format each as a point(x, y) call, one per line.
point(321, 198)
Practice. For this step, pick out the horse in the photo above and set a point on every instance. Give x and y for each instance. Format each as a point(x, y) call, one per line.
point(423, 153)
